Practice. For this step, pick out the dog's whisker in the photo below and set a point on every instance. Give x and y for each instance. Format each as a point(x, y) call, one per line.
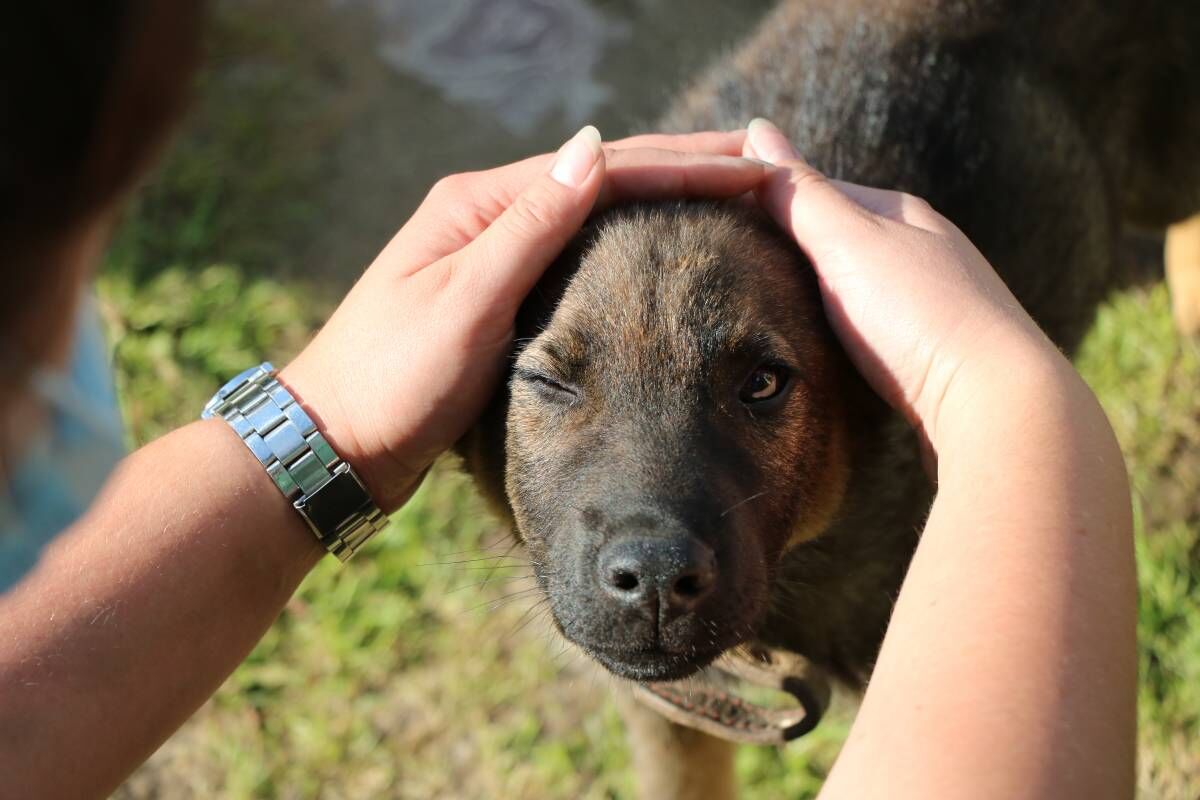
point(741, 503)
point(498, 542)
point(494, 604)
point(484, 582)
point(467, 561)
point(529, 616)
point(482, 567)
point(507, 554)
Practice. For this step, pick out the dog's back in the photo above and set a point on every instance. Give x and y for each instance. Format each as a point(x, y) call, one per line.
point(1037, 127)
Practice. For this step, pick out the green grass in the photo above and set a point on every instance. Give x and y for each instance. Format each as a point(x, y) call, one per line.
point(404, 675)
point(400, 676)
point(243, 185)
point(1148, 379)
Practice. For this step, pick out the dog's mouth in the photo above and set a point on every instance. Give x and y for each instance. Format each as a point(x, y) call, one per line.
point(652, 664)
point(739, 690)
point(754, 695)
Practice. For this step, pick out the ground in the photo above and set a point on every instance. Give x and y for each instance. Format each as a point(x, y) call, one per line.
point(425, 668)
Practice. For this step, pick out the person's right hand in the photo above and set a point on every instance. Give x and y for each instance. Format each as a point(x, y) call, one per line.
point(1014, 629)
point(922, 314)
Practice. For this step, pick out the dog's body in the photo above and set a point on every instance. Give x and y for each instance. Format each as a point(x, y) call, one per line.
point(1040, 129)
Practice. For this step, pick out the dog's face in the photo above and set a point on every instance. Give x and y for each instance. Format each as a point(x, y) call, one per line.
point(673, 426)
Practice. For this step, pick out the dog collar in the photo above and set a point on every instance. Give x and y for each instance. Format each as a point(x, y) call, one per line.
point(707, 702)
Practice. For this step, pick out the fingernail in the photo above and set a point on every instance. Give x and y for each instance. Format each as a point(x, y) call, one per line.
point(758, 161)
point(576, 158)
point(769, 142)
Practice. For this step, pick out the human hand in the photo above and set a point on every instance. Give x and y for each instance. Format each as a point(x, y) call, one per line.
point(920, 312)
point(1023, 581)
point(414, 352)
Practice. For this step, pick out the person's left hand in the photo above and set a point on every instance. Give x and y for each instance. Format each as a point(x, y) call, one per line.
point(414, 352)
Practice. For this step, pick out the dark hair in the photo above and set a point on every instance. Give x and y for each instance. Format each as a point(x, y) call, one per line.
point(88, 92)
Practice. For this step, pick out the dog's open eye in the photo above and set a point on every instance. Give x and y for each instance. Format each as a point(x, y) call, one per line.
point(764, 383)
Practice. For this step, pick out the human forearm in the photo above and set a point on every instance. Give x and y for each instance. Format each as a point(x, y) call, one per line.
point(138, 613)
point(1009, 666)
point(1008, 669)
point(131, 620)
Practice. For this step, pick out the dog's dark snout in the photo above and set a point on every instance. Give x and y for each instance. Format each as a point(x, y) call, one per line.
point(669, 573)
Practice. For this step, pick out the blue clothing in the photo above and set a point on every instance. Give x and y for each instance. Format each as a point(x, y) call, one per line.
point(58, 475)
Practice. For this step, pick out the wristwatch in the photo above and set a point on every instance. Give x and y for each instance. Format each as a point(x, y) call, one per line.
point(323, 488)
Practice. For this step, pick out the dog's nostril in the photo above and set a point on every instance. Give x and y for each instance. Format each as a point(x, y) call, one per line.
point(624, 580)
point(689, 586)
point(672, 574)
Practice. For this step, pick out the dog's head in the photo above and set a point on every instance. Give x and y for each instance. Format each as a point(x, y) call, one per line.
point(673, 426)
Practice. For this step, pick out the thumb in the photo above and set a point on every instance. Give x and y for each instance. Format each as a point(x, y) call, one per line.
point(814, 209)
point(508, 257)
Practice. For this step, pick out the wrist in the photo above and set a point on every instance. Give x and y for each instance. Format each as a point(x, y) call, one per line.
point(322, 486)
point(1014, 382)
point(1029, 419)
point(389, 481)
point(252, 495)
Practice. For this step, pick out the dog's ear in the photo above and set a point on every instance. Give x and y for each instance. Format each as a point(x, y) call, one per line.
point(483, 455)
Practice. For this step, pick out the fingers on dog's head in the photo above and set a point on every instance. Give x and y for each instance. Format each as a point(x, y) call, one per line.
point(660, 174)
point(728, 143)
point(812, 207)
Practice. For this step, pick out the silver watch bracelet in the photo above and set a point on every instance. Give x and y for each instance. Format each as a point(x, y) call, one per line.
point(322, 487)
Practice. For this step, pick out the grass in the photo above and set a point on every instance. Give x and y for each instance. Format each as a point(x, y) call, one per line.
point(1148, 380)
point(401, 676)
point(361, 688)
point(405, 674)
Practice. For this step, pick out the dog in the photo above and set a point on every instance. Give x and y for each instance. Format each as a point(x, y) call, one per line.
point(694, 467)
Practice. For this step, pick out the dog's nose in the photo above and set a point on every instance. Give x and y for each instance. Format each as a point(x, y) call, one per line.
point(667, 574)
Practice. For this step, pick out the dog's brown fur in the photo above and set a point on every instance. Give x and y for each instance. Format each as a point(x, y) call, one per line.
point(1039, 128)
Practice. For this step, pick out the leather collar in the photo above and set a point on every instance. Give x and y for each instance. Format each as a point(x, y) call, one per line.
point(706, 702)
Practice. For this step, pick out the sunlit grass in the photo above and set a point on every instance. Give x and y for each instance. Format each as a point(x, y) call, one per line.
point(404, 675)
point(1149, 381)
